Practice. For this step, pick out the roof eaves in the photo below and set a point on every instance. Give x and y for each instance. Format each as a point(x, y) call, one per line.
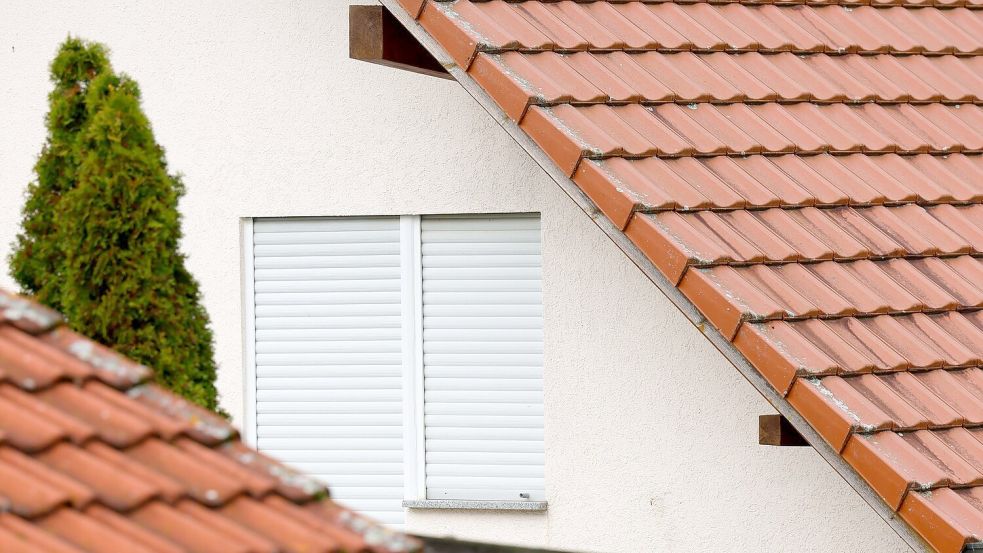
point(725, 346)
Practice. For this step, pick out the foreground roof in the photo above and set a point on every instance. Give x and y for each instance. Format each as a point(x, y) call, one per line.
point(808, 175)
point(94, 458)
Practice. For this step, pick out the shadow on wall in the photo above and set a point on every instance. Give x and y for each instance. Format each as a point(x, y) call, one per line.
point(447, 545)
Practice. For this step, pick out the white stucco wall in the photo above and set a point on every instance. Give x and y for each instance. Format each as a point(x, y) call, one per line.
point(650, 434)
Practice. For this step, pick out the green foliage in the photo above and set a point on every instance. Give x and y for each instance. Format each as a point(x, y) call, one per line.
point(119, 277)
point(36, 260)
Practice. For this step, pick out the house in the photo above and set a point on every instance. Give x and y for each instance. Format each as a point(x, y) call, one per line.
point(408, 306)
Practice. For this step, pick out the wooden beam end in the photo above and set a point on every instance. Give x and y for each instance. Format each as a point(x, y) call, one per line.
point(777, 430)
point(376, 36)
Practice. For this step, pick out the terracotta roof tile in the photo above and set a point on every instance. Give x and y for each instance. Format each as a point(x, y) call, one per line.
point(288, 482)
point(107, 365)
point(93, 458)
point(90, 533)
point(186, 530)
point(287, 532)
point(132, 531)
point(241, 534)
point(809, 174)
point(20, 536)
point(26, 495)
point(113, 487)
point(115, 426)
point(43, 415)
point(201, 424)
point(205, 483)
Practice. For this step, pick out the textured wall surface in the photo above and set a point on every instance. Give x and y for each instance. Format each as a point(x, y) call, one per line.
point(650, 434)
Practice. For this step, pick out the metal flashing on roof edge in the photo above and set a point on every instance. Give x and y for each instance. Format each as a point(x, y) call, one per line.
point(668, 289)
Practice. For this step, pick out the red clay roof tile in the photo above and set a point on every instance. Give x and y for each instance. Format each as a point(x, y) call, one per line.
point(205, 483)
point(20, 536)
point(194, 534)
point(287, 532)
point(115, 426)
point(111, 486)
point(845, 263)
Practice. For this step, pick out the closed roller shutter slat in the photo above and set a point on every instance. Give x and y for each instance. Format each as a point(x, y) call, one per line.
point(328, 354)
point(337, 419)
point(485, 458)
point(451, 371)
point(327, 262)
point(485, 409)
point(482, 273)
point(336, 285)
point(365, 236)
point(324, 371)
point(328, 334)
point(332, 383)
point(366, 444)
point(339, 273)
point(324, 324)
point(341, 456)
point(296, 314)
point(323, 224)
point(327, 407)
point(348, 358)
point(345, 493)
point(482, 343)
point(480, 261)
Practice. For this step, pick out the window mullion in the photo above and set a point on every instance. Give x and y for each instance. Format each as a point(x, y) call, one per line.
point(414, 454)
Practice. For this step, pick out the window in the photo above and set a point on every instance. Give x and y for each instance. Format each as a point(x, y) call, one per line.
point(399, 357)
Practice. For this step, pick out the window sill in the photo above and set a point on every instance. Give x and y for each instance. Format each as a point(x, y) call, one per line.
point(474, 505)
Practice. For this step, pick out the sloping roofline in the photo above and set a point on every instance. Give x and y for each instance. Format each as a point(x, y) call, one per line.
point(669, 289)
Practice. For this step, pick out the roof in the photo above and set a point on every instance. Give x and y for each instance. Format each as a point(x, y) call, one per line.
point(807, 174)
point(95, 458)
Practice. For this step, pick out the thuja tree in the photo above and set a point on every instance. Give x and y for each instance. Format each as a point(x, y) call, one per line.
point(37, 261)
point(120, 276)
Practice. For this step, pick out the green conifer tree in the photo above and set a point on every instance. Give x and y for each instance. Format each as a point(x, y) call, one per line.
point(36, 259)
point(115, 271)
point(125, 280)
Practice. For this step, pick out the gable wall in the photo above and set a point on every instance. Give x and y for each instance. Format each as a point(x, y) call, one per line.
point(650, 433)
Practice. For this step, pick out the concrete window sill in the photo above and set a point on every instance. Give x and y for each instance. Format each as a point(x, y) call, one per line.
point(474, 505)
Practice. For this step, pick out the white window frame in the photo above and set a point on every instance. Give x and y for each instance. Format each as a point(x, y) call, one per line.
point(414, 442)
point(248, 284)
point(414, 435)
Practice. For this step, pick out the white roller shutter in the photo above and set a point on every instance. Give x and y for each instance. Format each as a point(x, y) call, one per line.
point(328, 354)
point(482, 357)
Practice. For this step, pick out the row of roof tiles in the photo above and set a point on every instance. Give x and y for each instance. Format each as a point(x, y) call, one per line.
point(811, 234)
point(672, 130)
point(497, 25)
point(856, 345)
point(830, 289)
point(654, 77)
point(95, 458)
point(755, 182)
